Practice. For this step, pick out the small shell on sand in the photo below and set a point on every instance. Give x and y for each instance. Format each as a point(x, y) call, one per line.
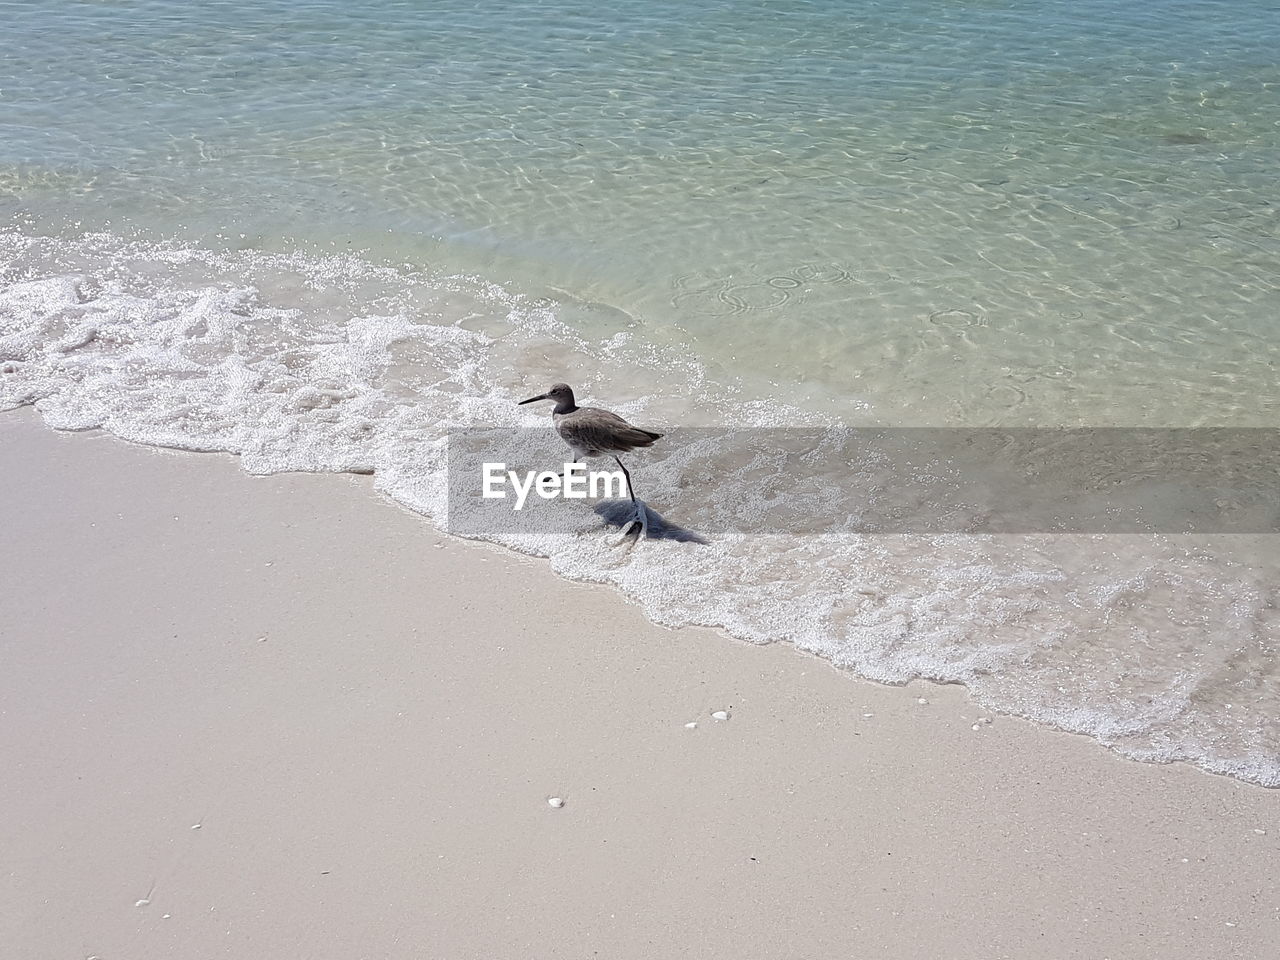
point(141, 903)
point(720, 715)
point(555, 802)
point(922, 701)
point(691, 725)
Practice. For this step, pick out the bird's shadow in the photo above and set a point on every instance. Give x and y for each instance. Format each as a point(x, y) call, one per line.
point(620, 513)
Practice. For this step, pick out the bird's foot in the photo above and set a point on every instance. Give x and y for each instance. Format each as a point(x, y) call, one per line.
point(634, 518)
point(637, 526)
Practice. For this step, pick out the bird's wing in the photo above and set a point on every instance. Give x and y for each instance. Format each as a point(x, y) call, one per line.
point(602, 430)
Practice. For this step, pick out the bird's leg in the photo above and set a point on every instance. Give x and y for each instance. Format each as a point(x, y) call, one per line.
point(630, 492)
point(640, 516)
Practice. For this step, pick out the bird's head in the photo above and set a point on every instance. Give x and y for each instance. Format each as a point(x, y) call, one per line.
point(561, 393)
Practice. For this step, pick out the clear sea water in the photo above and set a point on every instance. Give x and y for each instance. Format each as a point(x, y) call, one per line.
point(319, 234)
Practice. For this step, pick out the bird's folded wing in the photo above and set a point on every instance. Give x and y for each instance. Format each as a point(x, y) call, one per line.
point(603, 431)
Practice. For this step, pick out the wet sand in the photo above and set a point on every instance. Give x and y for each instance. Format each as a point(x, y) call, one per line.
point(281, 717)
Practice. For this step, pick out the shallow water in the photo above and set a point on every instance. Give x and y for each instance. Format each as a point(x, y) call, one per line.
point(320, 235)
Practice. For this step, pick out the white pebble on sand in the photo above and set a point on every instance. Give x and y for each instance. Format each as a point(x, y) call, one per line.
point(555, 802)
point(922, 701)
point(691, 725)
point(141, 903)
point(720, 715)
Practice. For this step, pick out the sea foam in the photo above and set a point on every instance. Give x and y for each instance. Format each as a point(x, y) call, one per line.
point(1160, 646)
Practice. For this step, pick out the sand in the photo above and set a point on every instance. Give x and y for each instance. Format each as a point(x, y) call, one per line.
point(282, 718)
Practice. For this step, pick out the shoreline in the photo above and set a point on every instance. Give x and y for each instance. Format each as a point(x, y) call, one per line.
point(296, 720)
point(1031, 627)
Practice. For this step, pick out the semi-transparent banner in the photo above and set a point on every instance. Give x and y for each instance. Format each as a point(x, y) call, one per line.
point(806, 481)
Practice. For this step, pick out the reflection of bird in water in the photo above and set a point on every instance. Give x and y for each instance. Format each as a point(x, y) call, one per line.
point(592, 432)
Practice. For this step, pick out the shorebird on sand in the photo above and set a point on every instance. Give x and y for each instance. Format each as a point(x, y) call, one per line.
point(592, 432)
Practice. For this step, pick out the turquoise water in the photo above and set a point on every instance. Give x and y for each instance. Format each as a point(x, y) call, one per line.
point(978, 213)
point(319, 235)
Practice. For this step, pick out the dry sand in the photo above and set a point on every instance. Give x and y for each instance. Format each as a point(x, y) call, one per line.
point(281, 718)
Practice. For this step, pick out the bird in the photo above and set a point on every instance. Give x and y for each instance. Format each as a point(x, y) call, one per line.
point(593, 432)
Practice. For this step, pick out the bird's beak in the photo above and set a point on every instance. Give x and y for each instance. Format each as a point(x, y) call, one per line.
point(541, 396)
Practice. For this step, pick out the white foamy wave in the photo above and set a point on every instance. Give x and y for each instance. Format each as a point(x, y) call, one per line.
point(1160, 646)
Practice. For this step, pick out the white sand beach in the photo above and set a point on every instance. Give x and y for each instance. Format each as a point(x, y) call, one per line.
point(281, 717)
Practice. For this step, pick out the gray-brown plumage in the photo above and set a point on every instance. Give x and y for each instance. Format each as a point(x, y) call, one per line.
point(592, 432)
